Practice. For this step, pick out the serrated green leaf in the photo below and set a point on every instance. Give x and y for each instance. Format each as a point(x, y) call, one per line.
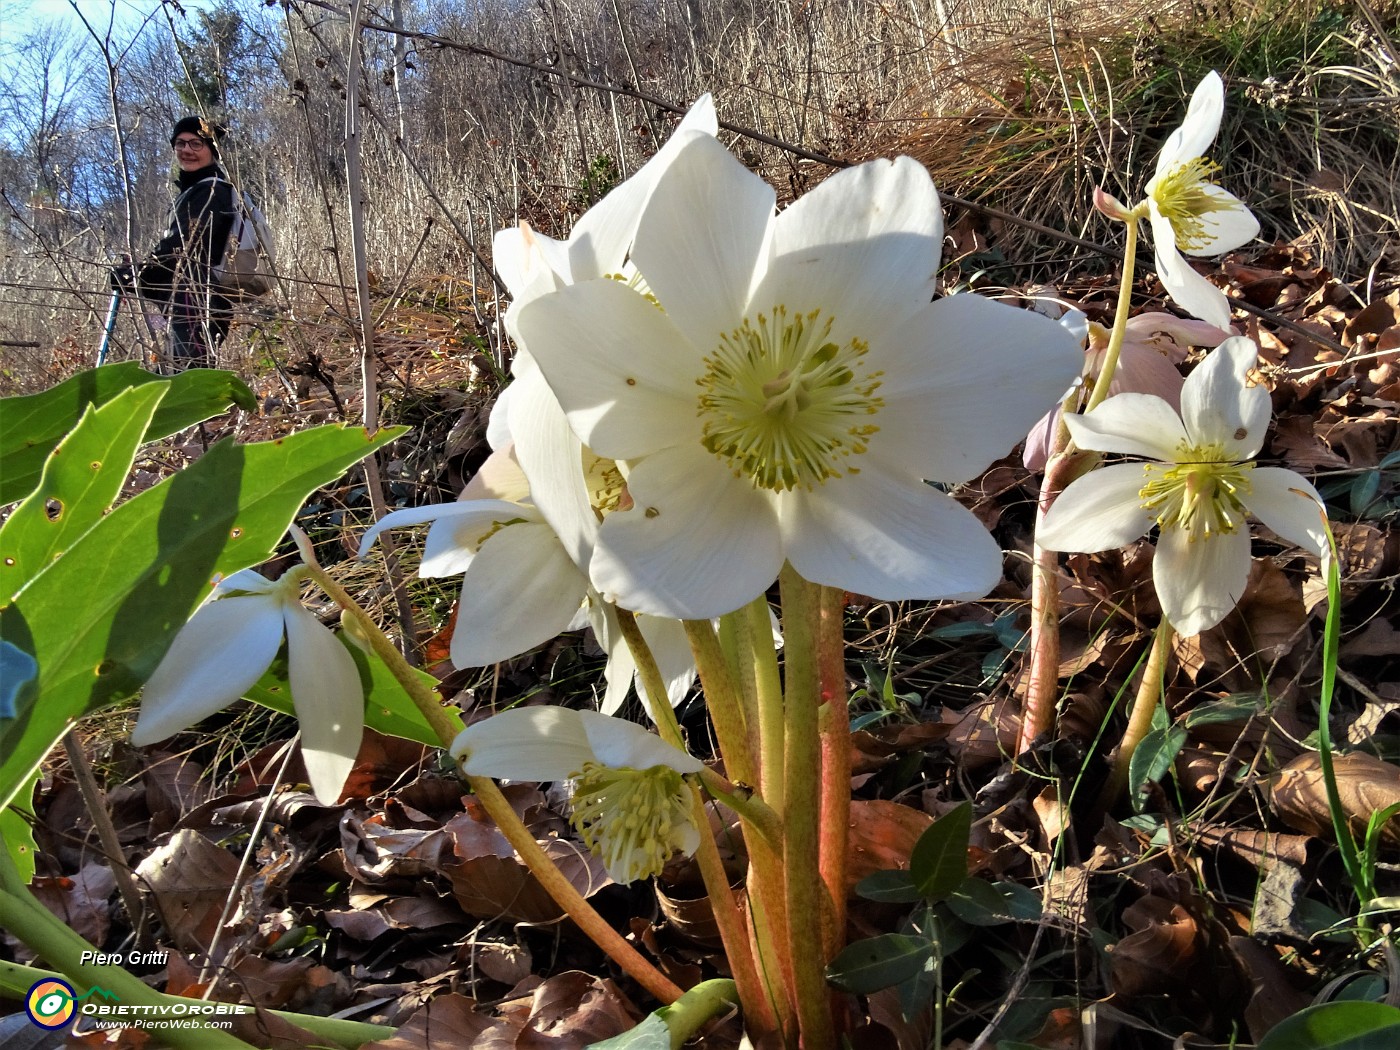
point(889, 887)
point(17, 828)
point(32, 425)
point(879, 962)
point(388, 708)
point(938, 864)
point(80, 481)
point(1337, 1026)
point(650, 1034)
point(99, 619)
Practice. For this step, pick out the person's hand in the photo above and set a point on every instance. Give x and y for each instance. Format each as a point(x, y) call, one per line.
point(122, 278)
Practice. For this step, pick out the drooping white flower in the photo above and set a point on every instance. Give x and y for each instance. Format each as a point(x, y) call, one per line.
point(785, 388)
point(226, 647)
point(1198, 487)
point(519, 543)
point(1192, 215)
point(1153, 345)
point(630, 804)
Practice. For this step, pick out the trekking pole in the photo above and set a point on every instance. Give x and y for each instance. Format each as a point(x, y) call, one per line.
point(110, 324)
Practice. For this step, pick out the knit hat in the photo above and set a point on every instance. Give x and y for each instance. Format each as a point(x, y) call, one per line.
point(198, 126)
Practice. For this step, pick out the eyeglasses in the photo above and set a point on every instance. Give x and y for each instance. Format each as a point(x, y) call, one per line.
point(180, 144)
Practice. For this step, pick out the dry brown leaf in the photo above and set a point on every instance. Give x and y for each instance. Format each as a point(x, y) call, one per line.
point(450, 1022)
point(81, 902)
point(1365, 785)
point(570, 1011)
point(1272, 997)
point(882, 837)
point(191, 879)
point(1158, 956)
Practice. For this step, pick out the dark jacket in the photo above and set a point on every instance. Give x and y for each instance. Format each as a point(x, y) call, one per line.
point(200, 223)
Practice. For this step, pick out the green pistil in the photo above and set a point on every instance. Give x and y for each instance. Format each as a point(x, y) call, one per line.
point(1201, 494)
point(783, 405)
point(1182, 197)
point(632, 818)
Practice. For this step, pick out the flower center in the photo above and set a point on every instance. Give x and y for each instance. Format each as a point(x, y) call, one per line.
point(783, 405)
point(607, 488)
point(1202, 493)
point(633, 818)
point(1182, 197)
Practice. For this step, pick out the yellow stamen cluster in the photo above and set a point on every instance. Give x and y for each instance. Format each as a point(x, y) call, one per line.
point(607, 489)
point(1182, 198)
point(633, 819)
point(785, 406)
point(1202, 493)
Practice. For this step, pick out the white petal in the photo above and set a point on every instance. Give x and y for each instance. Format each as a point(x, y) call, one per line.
point(1200, 127)
point(950, 409)
point(1171, 335)
point(699, 542)
point(1227, 228)
point(1133, 424)
point(1188, 289)
point(1219, 407)
point(458, 529)
point(500, 476)
point(863, 246)
point(329, 701)
point(620, 744)
point(1199, 583)
point(1288, 504)
point(249, 581)
point(529, 263)
point(1040, 439)
point(522, 589)
point(214, 660)
point(889, 537)
point(1098, 512)
point(621, 669)
point(666, 638)
point(624, 374)
point(1142, 370)
point(702, 239)
point(525, 743)
point(552, 455)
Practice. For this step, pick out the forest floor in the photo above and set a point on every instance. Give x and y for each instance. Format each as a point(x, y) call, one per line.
point(1197, 914)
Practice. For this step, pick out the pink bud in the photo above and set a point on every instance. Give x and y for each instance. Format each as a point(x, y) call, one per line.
point(1111, 205)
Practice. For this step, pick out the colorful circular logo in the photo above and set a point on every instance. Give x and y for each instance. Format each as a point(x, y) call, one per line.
point(49, 1003)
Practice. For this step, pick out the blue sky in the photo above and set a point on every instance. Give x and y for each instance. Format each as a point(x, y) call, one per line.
point(19, 17)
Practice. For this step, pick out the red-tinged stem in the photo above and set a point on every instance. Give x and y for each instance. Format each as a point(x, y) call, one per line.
point(835, 727)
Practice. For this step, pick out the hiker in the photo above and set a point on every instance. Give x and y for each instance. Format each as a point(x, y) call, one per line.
point(176, 274)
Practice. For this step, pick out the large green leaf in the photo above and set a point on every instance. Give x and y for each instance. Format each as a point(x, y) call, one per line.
point(99, 619)
point(388, 708)
point(1337, 1026)
point(80, 481)
point(32, 425)
point(880, 962)
point(938, 864)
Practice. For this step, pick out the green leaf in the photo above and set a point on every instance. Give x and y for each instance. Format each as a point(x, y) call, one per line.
point(99, 619)
point(80, 481)
point(891, 887)
point(17, 828)
point(388, 708)
point(982, 903)
point(1337, 1026)
point(1237, 707)
point(938, 864)
point(650, 1034)
point(17, 670)
point(1154, 756)
point(32, 425)
point(879, 962)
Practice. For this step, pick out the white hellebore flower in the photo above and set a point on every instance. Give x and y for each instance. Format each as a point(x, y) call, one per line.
point(1198, 487)
point(521, 581)
point(226, 647)
point(1189, 213)
point(784, 387)
point(630, 803)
